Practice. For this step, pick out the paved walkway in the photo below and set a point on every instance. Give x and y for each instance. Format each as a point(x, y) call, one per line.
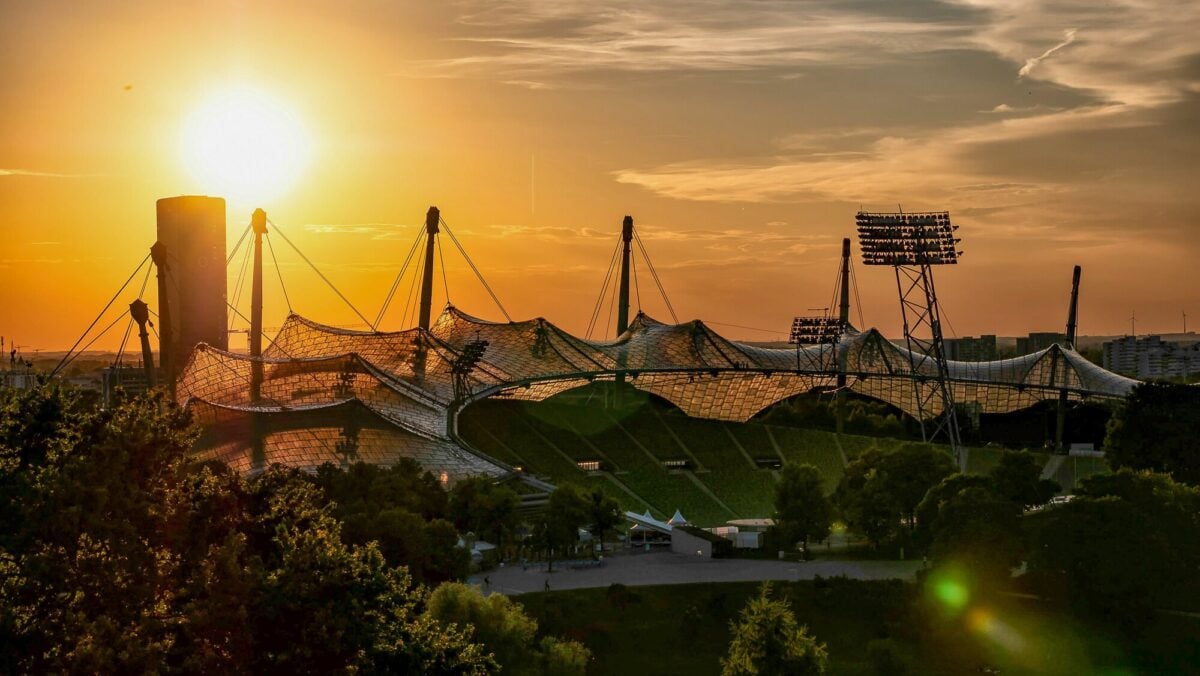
point(669, 568)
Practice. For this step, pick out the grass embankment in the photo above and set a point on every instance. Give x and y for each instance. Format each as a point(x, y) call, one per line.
point(684, 629)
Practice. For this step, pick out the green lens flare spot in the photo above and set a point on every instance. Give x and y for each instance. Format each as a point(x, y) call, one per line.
point(952, 593)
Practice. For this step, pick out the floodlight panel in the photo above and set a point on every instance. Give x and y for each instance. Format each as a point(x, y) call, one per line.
point(917, 238)
point(816, 330)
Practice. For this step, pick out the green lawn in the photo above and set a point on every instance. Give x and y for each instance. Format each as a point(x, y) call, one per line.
point(684, 629)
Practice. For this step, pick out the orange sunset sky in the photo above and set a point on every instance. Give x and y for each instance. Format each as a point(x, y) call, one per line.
point(742, 136)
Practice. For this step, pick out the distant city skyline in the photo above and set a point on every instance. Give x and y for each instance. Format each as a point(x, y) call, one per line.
point(741, 137)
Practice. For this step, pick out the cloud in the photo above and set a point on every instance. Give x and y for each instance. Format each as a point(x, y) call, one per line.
point(372, 230)
point(927, 165)
point(529, 43)
point(42, 174)
point(1133, 53)
point(1030, 64)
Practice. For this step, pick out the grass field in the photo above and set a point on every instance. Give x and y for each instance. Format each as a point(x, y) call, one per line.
point(724, 482)
point(684, 629)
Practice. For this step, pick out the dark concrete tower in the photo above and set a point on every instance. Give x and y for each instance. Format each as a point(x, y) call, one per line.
point(623, 298)
point(258, 223)
point(432, 217)
point(191, 232)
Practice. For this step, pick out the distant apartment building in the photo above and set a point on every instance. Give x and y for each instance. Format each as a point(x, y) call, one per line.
point(1151, 357)
point(1036, 342)
point(969, 348)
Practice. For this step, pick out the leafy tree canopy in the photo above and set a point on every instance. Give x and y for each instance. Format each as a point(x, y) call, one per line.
point(120, 554)
point(767, 640)
point(1158, 428)
point(1126, 545)
point(502, 627)
point(803, 512)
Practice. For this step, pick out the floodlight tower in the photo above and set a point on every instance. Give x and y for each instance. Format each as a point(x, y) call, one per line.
point(912, 243)
point(822, 330)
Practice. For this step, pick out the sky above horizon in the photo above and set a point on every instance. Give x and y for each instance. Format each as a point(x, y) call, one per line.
point(742, 137)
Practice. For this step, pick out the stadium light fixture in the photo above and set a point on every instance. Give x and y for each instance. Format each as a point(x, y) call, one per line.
point(920, 238)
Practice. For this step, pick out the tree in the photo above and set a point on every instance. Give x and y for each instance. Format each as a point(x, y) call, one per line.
point(909, 472)
point(480, 505)
point(1127, 544)
point(604, 514)
point(502, 627)
point(767, 640)
point(881, 490)
point(802, 510)
point(120, 554)
point(1018, 477)
point(557, 528)
point(1157, 428)
point(981, 530)
point(931, 504)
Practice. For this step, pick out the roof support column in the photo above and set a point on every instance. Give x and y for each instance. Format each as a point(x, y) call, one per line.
point(432, 217)
point(258, 223)
point(623, 298)
point(1060, 424)
point(141, 314)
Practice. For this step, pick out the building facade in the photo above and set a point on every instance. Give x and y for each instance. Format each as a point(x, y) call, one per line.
point(1152, 357)
point(969, 348)
point(1035, 342)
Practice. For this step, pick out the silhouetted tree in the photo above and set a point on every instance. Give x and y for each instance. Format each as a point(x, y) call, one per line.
point(981, 530)
point(120, 554)
point(480, 505)
point(1127, 544)
point(557, 527)
point(604, 514)
point(803, 513)
point(879, 490)
point(1018, 477)
point(1157, 428)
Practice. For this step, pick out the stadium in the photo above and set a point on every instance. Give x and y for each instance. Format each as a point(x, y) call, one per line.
point(666, 417)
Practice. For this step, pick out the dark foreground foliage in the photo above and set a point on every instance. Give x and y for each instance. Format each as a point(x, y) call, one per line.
point(118, 554)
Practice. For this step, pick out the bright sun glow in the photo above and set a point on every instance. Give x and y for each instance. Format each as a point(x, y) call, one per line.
point(246, 146)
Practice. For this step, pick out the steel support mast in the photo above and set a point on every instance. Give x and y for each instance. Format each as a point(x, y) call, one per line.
point(258, 223)
point(432, 218)
point(141, 314)
point(623, 298)
point(1060, 424)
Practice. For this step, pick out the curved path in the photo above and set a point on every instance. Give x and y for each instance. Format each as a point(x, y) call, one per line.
point(666, 567)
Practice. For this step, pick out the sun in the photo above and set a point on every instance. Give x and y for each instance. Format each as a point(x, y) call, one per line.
point(245, 145)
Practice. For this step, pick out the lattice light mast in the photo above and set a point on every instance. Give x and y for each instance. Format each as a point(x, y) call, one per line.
point(912, 243)
point(822, 330)
point(462, 366)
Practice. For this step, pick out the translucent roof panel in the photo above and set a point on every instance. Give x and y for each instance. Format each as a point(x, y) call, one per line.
point(406, 378)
